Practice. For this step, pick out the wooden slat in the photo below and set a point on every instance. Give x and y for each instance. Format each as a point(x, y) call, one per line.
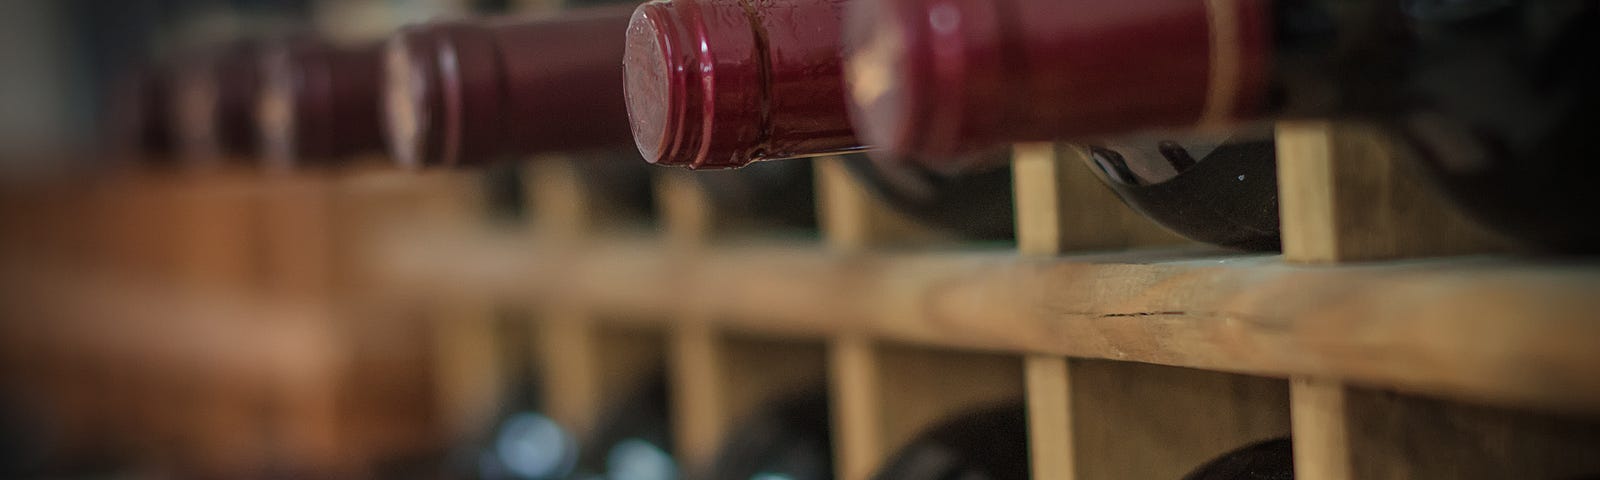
point(1051, 448)
point(1498, 330)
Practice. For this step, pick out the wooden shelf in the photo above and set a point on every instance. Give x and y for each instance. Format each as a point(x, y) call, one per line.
point(1493, 329)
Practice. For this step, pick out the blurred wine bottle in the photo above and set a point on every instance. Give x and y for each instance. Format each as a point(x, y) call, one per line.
point(990, 444)
point(695, 68)
point(215, 103)
point(318, 103)
point(788, 438)
point(1492, 94)
point(467, 92)
point(1267, 460)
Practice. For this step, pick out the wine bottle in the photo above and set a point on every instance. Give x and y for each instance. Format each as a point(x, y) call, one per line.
point(990, 443)
point(318, 102)
point(716, 84)
point(466, 92)
point(1218, 189)
point(788, 438)
point(1266, 460)
point(1495, 96)
point(214, 104)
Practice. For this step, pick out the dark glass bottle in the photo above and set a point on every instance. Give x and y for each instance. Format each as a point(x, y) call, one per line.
point(318, 102)
point(1222, 190)
point(1266, 460)
point(466, 92)
point(789, 438)
point(1496, 96)
point(990, 444)
point(975, 203)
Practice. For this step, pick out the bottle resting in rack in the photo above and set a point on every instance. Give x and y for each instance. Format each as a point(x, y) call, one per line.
point(918, 91)
point(787, 438)
point(1496, 97)
point(991, 443)
point(1265, 460)
point(705, 91)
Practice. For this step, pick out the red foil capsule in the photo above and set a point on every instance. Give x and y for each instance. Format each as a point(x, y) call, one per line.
point(459, 93)
point(318, 102)
point(214, 105)
point(935, 79)
point(722, 83)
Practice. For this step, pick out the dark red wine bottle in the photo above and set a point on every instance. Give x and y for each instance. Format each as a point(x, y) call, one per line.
point(1266, 460)
point(714, 84)
point(788, 438)
point(990, 444)
point(1496, 95)
point(768, 195)
point(214, 104)
point(318, 102)
point(466, 92)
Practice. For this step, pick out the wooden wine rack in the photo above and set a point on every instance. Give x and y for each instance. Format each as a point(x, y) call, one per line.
point(1388, 338)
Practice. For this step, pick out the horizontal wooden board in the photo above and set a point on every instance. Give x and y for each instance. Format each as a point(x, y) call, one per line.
point(1490, 329)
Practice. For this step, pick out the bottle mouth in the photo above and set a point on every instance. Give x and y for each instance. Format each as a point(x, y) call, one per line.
point(648, 84)
point(657, 73)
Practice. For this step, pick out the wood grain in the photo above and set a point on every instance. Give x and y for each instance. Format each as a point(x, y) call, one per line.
point(1493, 329)
point(1133, 420)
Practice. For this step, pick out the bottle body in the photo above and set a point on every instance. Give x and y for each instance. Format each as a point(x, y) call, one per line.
point(991, 443)
point(1265, 460)
point(788, 438)
point(1218, 189)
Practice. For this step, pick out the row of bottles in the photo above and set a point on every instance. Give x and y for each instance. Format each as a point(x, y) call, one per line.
point(1172, 100)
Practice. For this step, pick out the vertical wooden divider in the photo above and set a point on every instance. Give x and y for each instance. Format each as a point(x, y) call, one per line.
point(1347, 196)
point(584, 364)
point(719, 377)
point(1096, 419)
point(216, 237)
point(883, 395)
point(468, 374)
